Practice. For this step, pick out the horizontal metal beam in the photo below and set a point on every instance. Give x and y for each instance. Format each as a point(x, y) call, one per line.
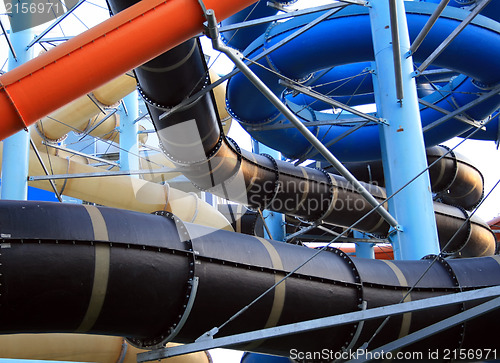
point(324, 239)
point(208, 342)
point(102, 174)
point(433, 329)
point(309, 124)
point(446, 112)
point(101, 160)
point(288, 15)
point(354, 240)
point(301, 231)
point(495, 91)
point(319, 96)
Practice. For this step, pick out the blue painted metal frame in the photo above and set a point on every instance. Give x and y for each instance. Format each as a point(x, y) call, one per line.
point(15, 158)
point(402, 142)
point(129, 149)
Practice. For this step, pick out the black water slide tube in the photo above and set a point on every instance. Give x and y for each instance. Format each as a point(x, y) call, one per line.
point(191, 136)
point(98, 270)
point(454, 179)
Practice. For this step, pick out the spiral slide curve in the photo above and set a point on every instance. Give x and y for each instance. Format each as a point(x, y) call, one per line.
point(345, 38)
point(91, 269)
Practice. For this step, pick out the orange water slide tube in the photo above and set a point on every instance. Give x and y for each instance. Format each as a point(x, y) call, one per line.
point(495, 227)
point(99, 55)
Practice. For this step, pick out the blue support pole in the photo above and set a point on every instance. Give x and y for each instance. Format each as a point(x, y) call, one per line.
point(129, 149)
point(364, 249)
point(274, 221)
point(403, 150)
point(15, 158)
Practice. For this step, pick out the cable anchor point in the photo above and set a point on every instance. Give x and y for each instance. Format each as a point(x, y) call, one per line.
point(208, 335)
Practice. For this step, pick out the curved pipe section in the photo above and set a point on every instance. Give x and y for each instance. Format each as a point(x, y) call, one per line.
point(75, 268)
point(349, 30)
point(453, 178)
point(191, 137)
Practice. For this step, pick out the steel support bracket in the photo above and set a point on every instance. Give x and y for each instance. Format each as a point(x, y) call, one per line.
point(217, 44)
point(209, 335)
point(306, 326)
point(395, 229)
point(309, 92)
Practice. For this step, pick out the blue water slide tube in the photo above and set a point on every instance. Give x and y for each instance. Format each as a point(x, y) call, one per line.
point(241, 38)
point(352, 84)
point(249, 357)
point(492, 10)
point(345, 38)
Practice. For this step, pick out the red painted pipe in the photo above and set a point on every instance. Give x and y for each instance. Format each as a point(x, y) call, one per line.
point(125, 41)
point(495, 226)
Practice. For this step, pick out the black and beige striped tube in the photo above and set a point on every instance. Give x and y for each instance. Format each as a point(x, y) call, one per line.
point(453, 178)
point(191, 136)
point(106, 271)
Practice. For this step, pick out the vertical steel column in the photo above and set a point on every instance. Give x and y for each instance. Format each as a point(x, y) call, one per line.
point(364, 249)
point(274, 221)
point(15, 158)
point(129, 149)
point(403, 149)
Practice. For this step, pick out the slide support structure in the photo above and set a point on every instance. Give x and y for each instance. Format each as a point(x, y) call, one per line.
point(412, 204)
point(213, 33)
point(364, 249)
point(129, 149)
point(274, 221)
point(15, 161)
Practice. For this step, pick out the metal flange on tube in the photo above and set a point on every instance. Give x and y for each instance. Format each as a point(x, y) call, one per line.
point(106, 271)
point(191, 289)
point(212, 31)
point(192, 136)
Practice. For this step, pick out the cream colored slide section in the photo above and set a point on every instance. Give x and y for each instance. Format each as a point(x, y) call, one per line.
point(80, 113)
point(80, 348)
point(124, 192)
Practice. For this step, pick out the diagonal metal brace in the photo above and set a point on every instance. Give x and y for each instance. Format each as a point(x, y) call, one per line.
point(321, 323)
point(213, 33)
point(321, 97)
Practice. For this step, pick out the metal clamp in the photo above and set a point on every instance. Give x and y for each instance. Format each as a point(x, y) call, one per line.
point(276, 179)
point(191, 290)
point(358, 326)
point(455, 282)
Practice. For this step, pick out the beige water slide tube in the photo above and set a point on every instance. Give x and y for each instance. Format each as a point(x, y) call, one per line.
point(124, 192)
point(81, 348)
